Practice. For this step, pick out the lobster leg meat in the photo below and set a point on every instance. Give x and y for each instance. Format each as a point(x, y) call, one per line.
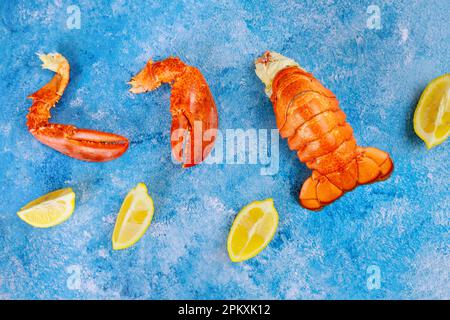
point(194, 113)
point(82, 144)
point(308, 115)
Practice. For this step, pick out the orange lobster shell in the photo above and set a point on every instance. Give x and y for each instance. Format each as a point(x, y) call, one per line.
point(81, 144)
point(308, 115)
point(194, 113)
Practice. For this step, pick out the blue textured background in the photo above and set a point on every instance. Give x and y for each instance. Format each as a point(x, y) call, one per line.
point(401, 225)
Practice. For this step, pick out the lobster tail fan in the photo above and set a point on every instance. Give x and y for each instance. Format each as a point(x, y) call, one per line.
point(371, 165)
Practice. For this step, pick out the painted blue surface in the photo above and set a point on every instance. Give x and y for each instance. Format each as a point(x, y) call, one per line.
point(400, 226)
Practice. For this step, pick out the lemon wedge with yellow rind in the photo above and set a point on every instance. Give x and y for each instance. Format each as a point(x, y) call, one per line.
point(134, 218)
point(49, 210)
point(432, 115)
point(252, 230)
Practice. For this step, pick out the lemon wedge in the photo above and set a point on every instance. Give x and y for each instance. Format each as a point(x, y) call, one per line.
point(50, 209)
point(432, 115)
point(252, 230)
point(134, 218)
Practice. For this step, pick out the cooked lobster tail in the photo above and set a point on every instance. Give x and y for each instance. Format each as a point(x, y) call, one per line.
point(308, 115)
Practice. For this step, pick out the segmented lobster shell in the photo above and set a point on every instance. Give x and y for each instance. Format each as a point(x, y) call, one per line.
point(308, 115)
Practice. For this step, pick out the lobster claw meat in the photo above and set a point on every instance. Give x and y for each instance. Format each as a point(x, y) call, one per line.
point(82, 144)
point(194, 113)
